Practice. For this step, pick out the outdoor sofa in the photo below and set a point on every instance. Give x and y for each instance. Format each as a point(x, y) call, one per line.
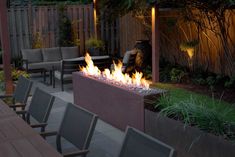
point(37, 60)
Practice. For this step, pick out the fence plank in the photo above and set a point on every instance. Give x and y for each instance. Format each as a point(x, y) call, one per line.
point(25, 21)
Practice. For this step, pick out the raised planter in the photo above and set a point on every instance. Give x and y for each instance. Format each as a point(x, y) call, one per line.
point(188, 141)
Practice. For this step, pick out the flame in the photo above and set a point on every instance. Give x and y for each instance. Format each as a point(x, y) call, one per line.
point(90, 69)
point(115, 75)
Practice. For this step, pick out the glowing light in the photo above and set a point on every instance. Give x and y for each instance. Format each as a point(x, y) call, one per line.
point(115, 75)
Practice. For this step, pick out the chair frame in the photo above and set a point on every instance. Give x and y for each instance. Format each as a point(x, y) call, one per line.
point(127, 134)
point(131, 62)
point(83, 152)
point(22, 104)
point(26, 115)
point(67, 67)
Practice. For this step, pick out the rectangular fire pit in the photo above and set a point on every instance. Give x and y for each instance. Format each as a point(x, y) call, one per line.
point(115, 105)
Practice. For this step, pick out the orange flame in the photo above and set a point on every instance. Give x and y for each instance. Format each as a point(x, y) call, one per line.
point(116, 75)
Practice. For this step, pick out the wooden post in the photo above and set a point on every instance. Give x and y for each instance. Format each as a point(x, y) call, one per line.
point(5, 38)
point(155, 44)
point(95, 18)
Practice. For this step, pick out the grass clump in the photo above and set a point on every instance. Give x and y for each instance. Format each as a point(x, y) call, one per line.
point(213, 116)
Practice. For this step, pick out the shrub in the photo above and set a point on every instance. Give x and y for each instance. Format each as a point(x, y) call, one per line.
point(194, 112)
point(177, 74)
point(230, 82)
point(94, 43)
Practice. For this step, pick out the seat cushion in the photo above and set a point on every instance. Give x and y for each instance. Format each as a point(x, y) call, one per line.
point(51, 54)
point(32, 55)
point(127, 56)
point(66, 76)
point(43, 65)
point(69, 52)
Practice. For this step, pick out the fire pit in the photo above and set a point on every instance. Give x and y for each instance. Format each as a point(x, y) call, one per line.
point(119, 103)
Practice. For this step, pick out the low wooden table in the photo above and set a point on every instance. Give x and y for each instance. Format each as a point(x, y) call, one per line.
point(18, 139)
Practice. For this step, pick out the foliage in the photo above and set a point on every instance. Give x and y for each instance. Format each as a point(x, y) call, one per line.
point(54, 2)
point(148, 72)
point(94, 43)
point(177, 74)
point(188, 45)
point(75, 39)
point(206, 113)
point(17, 73)
point(230, 82)
point(37, 41)
point(65, 28)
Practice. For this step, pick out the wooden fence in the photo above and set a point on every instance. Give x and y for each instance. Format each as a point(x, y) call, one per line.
point(120, 35)
point(26, 21)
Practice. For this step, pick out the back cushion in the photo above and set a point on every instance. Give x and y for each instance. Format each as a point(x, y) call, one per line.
point(51, 54)
point(69, 52)
point(32, 55)
point(127, 56)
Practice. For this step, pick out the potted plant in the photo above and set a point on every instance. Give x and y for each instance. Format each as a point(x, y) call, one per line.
point(94, 46)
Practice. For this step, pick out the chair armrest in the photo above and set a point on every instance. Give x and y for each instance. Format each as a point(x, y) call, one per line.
point(5, 96)
point(46, 134)
point(23, 112)
point(76, 153)
point(17, 105)
point(38, 125)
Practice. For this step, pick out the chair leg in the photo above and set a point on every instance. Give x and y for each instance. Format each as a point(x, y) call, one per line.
point(62, 85)
point(58, 143)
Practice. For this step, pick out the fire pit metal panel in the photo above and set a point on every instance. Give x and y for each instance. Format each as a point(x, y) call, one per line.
point(118, 106)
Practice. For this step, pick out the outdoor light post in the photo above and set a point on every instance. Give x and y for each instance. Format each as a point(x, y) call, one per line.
point(155, 43)
point(4, 33)
point(95, 16)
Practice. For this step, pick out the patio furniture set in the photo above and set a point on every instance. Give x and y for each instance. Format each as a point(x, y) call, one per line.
point(77, 127)
point(61, 62)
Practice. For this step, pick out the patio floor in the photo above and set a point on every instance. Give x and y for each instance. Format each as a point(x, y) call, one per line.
point(106, 140)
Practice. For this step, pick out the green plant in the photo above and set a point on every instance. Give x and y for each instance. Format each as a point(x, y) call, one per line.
point(94, 43)
point(188, 45)
point(147, 72)
point(216, 118)
point(177, 74)
point(65, 27)
point(17, 73)
point(37, 41)
point(230, 82)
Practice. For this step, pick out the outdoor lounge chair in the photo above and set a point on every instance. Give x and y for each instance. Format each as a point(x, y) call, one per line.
point(68, 66)
point(128, 61)
point(39, 109)
point(21, 93)
point(77, 127)
point(138, 144)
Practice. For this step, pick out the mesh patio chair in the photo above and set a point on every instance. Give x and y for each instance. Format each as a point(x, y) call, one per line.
point(138, 144)
point(77, 127)
point(39, 109)
point(21, 93)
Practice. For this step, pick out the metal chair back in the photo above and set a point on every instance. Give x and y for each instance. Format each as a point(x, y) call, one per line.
point(138, 144)
point(40, 106)
point(22, 90)
point(77, 127)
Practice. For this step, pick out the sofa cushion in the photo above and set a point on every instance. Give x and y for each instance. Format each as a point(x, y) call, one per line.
point(69, 52)
point(127, 56)
point(32, 55)
point(65, 76)
point(51, 54)
point(43, 65)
